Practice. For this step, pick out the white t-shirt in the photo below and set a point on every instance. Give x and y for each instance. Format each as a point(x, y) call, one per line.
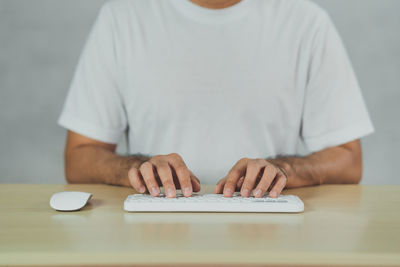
point(252, 80)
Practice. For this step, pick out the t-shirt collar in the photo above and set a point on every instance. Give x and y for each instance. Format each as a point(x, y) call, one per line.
point(213, 16)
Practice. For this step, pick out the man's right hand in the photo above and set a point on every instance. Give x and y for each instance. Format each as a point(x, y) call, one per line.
point(169, 171)
point(91, 161)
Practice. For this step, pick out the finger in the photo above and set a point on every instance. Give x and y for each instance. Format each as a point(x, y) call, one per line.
point(195, 183)
point(239, 183)
point(165, 174)
point(185, 182)
point(254, 167)
point(194, 177)
point(147, 172)
point(233, 176)
point(267, 178)
point(136, 181)
point(220, 186)
point(182, 173)
point(279, 185)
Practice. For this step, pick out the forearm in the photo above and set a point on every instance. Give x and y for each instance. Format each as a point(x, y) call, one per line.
point(336, 165)
point(94, 164)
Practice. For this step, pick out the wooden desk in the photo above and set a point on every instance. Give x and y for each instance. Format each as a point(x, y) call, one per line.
point(341, 225)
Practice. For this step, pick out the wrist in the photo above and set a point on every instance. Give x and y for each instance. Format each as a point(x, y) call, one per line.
point(135, 161)
point(296, 175)
point(286, 168)
point(132, 162)
point(122, 165)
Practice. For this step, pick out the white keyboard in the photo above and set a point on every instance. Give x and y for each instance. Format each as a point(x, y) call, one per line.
point(212, 203)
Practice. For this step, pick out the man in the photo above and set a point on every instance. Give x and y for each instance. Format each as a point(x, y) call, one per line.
point(201, 86)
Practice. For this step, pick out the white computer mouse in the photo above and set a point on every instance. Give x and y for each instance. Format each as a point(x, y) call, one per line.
point(69, 200)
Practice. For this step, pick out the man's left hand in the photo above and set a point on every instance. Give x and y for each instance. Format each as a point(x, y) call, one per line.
point(258, 175)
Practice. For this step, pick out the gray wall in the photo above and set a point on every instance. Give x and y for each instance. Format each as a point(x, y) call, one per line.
point(40, 42)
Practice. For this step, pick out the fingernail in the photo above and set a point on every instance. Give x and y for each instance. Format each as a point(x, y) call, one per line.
point(142, 189)
point(154, 190)
point(245, 192)
point(170, 192)
point(187, 191)
point(272, 194)
point(258, 193)
point(228, 191)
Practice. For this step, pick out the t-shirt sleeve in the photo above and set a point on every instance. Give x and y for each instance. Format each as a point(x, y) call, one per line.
point(94, 105)
point(334, 110)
